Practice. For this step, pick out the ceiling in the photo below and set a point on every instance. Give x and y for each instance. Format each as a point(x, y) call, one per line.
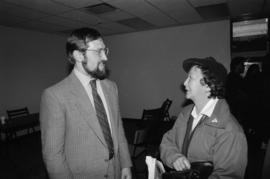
point(122, 16)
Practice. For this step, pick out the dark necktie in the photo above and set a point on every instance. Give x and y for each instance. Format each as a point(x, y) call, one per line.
point(190, 133)
point(102, 118)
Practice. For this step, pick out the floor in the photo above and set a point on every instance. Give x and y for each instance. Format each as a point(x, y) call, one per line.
point(21, 159)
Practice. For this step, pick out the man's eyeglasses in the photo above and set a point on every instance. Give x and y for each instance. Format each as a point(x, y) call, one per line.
point(100, 51)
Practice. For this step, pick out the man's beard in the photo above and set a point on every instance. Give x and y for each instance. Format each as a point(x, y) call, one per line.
point(97, 73)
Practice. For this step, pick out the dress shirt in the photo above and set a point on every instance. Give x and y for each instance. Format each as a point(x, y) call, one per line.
point(85, 80)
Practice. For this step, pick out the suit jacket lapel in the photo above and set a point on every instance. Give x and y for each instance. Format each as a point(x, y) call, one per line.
point(85, 106)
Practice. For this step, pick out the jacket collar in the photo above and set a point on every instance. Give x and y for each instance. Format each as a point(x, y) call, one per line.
point(220, 115)
point(218, 118)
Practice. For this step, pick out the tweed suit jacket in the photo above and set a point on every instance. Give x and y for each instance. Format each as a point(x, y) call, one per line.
point(73, 145)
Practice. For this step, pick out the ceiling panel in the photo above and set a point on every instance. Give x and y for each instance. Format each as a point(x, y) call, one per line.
point(40, 26)
point(116, 15)
point(245, 7)
point(144, 10)
point(211, 12)
point(77, 3)
point(10, 20)
point(136, 7)
point(137, 24)
point(63, 22)
point(180, 11)
point(57, 16)
point(159, 20)
point(198, 3)
point(106, 31)
point(47, 6)
point(18, 11)
point(80, 15)
point(116, 27)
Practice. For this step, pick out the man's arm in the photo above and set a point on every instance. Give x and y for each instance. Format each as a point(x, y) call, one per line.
point(52, 124)
point(230, 156)
point(126, 173)
point(125, 159)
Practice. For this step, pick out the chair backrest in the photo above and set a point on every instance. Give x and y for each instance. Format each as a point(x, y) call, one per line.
point(154, 125)
point(139, 137)
point(17, 113)
point(151, 114)
point(165, 109)
point(161, 113)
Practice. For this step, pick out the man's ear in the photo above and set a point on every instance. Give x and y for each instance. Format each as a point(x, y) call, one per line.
point(78, 56)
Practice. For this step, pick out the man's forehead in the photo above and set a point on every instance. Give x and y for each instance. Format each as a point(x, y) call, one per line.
point(96, 43)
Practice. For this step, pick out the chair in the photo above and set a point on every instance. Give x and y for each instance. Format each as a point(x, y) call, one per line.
point(148, 133)
point(161, 113)
point(17, 113)
point(165, 109)
point(148, 136)
point(139, 140)
point(12, 115)
point(138, 147)
point(156, 126)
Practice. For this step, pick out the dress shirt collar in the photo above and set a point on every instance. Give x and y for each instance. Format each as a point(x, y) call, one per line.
point(207, 109)
point(84, 79)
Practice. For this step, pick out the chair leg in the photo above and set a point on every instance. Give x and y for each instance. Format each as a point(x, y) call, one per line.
point(135, 160)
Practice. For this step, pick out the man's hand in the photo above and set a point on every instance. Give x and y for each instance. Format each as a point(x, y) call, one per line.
point(181, 164)
point(126, 173)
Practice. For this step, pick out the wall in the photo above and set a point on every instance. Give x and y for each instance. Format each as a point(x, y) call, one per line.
point(147, 66)
point(29, 62)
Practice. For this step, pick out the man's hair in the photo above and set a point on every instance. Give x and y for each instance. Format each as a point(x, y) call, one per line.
point(78, 40)
point(217, 87)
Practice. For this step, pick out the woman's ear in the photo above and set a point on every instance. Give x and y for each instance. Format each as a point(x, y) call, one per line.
point(202, 81)
point(208, 89)
point(78, 55)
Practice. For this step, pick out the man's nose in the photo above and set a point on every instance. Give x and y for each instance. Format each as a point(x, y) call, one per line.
point(104, 57)
point(185, 82)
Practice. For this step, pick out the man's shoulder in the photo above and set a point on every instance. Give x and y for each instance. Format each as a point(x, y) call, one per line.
point(59, 86)
point(109, 83)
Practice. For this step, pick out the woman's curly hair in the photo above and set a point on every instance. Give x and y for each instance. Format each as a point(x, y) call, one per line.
point(217, 86)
